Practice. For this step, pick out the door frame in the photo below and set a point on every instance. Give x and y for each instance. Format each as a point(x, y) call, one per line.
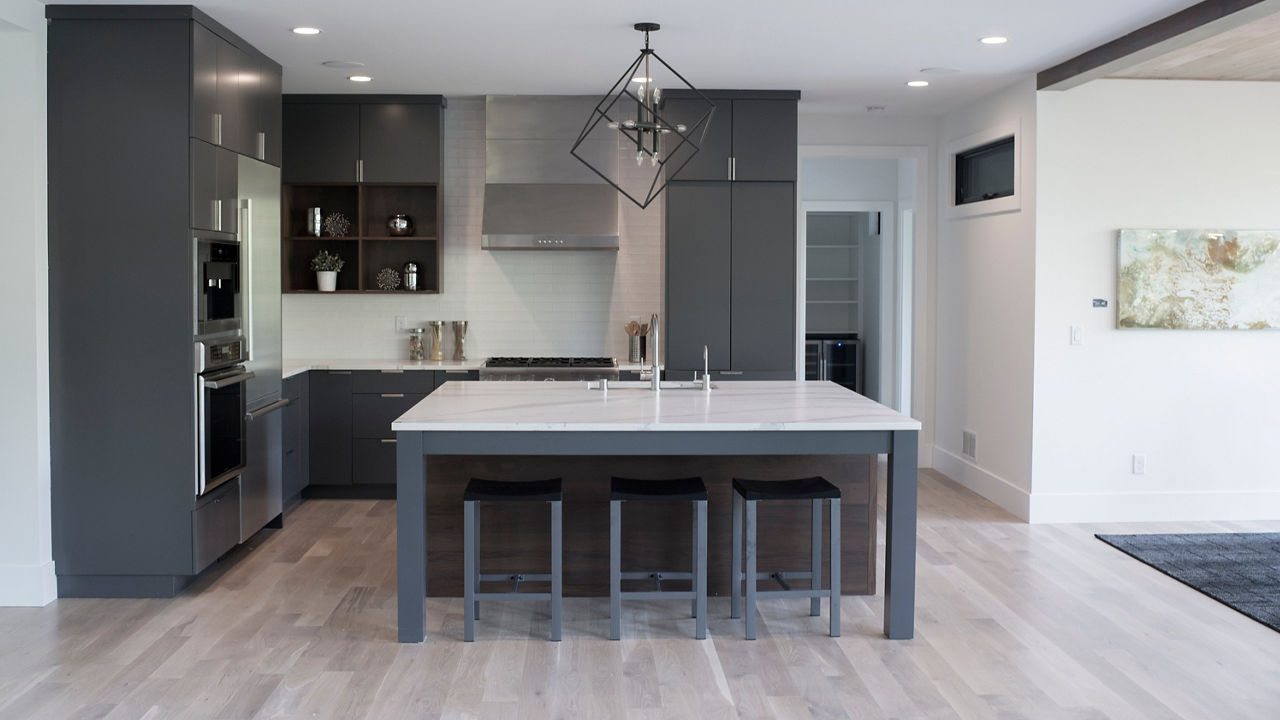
point(888, 322)
point(910, 377)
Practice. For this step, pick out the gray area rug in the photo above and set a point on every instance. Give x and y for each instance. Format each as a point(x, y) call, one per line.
point(1239, 570)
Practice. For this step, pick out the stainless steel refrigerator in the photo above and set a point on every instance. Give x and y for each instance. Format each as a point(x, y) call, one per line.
point(258, 229)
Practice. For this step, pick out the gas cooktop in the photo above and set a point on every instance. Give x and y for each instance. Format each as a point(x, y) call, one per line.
point(550, 362)
point(549, 368)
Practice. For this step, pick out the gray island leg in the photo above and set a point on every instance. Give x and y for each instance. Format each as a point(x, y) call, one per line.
point(411, 538)
point(900, 538)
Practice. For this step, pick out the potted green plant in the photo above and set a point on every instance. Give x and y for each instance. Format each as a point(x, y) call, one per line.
point(326, 266)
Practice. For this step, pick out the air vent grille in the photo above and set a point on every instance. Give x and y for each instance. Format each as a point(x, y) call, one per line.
point(969, 444)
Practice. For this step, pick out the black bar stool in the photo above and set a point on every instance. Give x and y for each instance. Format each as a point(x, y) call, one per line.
point(503, 491)
point(817, 489)
point(690, 489)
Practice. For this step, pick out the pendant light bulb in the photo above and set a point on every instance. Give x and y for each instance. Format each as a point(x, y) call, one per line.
point(639, 158)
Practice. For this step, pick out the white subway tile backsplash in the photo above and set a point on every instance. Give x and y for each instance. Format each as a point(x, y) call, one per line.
point(517, 303)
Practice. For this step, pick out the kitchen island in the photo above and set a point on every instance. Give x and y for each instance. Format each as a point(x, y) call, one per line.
point(568, 419)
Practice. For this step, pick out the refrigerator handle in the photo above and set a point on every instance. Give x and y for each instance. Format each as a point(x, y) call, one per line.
point(245, 230)
point(822, 361)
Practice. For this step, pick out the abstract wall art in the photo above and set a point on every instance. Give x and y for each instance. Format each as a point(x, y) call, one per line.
point(1199, 279)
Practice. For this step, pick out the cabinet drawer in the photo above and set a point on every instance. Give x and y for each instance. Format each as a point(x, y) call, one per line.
point(216, 525)
point(375, 462)
point(372, 415)
point(407, 381)
point(444, 376)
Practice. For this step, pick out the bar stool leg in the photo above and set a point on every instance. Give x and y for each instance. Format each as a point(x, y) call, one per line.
point(751, 569)
point(700, 570)
point(557, 577)
point(477, 553)
point(834, 505)
point(693, 565)
point(735, 593)
point(615, 569)
point(469, 572)
point(815, 559)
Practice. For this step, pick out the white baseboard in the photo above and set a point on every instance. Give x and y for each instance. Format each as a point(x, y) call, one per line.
point(989, 485)
point(28, 585)
point(1194, 506)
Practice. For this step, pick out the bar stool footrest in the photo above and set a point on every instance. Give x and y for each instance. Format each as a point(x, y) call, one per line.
point(516, 596)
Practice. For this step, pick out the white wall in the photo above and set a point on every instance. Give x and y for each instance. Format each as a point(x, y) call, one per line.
point(518, 303)
point(1204, 407)
point(985, 314)
point(849, 178)
point(26, 561)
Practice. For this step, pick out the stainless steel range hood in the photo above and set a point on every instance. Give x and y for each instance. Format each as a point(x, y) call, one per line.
point(536, 195)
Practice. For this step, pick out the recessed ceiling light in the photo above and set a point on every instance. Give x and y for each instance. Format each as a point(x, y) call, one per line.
point(918, 83)
point(360, 78)
point(306, 31)
point(994, 40)
point(342, 64)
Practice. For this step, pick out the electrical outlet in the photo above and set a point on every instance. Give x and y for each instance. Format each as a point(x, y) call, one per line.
point(1139, 464)
point(1077, 335)
point(400, 323)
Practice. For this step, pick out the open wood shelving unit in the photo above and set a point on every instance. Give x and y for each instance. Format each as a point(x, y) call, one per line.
point(369, 247)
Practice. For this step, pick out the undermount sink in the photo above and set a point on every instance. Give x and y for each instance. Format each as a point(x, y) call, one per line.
point(646, 385)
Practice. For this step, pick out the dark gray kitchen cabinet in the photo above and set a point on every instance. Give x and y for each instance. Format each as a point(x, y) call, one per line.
point(762, 266)
point(362, 138)
point(711, 161)
point(235, 96)
point(699, 232)
point(752, 135)
point(731, 277)
point(329, 426)
point(321, 142)
point(123, 92)
point(765, 140)
point(294, 437)
point(213, 187)
point(399, 143)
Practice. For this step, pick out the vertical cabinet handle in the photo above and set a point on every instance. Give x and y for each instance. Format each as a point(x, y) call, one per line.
point(217, 128)
point(217, 214)
point(733, 168)
point(359, 171)
point(728, 170)
point(262, 146)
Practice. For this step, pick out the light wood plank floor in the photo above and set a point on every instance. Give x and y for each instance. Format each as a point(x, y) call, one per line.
point(1013, 621)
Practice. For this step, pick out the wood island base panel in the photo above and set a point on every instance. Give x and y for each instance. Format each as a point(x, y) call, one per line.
point(655, 535)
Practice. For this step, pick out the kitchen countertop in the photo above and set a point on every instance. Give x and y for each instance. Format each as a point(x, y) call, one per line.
point(570, 406)
point(294, 367)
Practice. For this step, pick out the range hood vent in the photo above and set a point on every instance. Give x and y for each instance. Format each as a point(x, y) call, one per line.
point(536, 195)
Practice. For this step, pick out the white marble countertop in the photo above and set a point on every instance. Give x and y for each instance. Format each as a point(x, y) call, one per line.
point(570, 406)
point(296, 366)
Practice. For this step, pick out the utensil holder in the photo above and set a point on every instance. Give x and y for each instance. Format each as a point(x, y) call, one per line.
point(436, 329)
point(459, 340)
point(633, 348)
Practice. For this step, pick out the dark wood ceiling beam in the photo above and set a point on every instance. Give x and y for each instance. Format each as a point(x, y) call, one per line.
point(1178, 30)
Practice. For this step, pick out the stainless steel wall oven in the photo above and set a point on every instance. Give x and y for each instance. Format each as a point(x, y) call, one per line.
point(220, 412)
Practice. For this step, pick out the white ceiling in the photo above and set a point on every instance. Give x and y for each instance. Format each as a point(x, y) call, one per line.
point(842, 54)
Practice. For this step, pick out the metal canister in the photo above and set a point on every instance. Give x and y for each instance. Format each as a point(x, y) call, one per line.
point(411, 276)
point(417, 346)
point(313, 221)
point(436, 328)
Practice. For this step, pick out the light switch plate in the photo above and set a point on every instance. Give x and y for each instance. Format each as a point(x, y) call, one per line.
point(1077, 335)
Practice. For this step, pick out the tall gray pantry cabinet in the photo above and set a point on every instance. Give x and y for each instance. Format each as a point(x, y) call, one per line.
point(731, 239)
point(150, 108)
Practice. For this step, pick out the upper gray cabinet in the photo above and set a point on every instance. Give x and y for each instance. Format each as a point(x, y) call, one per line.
point(322, 143)
point(235, 97)
point(752, 135)
point(362, 138)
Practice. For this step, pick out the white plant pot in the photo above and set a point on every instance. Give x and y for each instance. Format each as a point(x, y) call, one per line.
point(327, 280)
